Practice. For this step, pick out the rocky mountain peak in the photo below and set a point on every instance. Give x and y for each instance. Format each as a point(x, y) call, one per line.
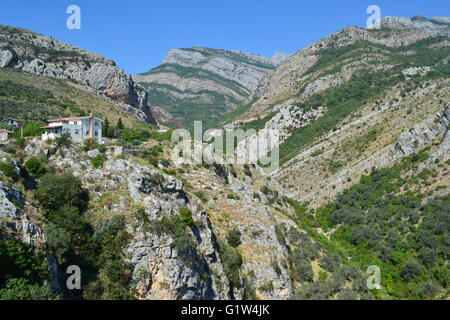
point(41, 55)
point(439, 26)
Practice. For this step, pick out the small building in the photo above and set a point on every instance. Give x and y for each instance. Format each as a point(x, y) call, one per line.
point(4, 134)
point(79, 128)
point(15, 123)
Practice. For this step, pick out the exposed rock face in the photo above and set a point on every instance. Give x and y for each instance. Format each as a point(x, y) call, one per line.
point(283, 84)
point(34, 53)
point(5, 58)
point(12, 206)
point(161, 271)
point(436, 26)
point(421, 135)
point(205, 82)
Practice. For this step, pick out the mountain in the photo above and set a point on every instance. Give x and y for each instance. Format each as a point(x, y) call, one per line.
point(363, 187)
point(34, 53)
point(202, 83)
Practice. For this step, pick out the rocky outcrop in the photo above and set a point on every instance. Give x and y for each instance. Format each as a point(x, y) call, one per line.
point(34, 53)
point(422, 135)
point(6, 58)
point(16, 221)
point(435, 26)
point(161, 270)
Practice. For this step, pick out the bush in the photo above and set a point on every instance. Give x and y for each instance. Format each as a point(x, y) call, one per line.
point(98, 161)
point(64, 140)
point(21, 289)
point(410, 269)
point(232, 262)
point(331, 262)
point(55, 191)
point(21, 260)
point(32, 128)
point(9, 170)
point(186, 217)
point(35, 167)
point(90, 144)
point(234, 238)
point(303, 272)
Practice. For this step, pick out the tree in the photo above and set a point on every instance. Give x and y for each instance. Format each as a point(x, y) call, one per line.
point(120, 125)
point(21, 260)
point(331, 262)
point(410, 269)
point(32, 128)
point(55, 191)
point(35, 167)
point(106, 128)
point(59, 241)
point(234, 238)
point(22, 289)
point(64, 140)
point(304, 272)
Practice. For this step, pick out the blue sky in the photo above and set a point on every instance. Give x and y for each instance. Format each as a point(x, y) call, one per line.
point(137, 34)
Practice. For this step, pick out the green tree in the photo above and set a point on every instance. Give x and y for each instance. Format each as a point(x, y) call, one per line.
point(56, 191)
point(22, 289)
point(64, 140)
point(106, 128)
point(234, 238)
point(120, 125)
point(410, 269)
point(35, 167)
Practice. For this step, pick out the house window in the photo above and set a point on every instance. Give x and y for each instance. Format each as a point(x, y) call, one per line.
point(77, 131)
point(96, 133)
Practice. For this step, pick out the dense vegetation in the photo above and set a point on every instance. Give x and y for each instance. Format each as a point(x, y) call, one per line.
point(378, 222)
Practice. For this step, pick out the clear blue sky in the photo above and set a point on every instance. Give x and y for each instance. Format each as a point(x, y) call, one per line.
point(137, 34)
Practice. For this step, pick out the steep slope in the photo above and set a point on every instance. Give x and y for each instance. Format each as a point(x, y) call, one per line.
point(30, 97)
point(349, 96)
point(202, 83)
point(40, 55)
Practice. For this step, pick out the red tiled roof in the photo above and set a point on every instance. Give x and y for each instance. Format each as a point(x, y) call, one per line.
point(61, 119)
point(51, 127)
point(5, 131)
point(72, 118)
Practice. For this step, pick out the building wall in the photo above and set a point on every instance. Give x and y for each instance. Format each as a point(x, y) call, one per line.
point(3, 136)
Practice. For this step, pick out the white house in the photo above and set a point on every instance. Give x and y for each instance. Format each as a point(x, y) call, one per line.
point(4, 134)
point(80, 128)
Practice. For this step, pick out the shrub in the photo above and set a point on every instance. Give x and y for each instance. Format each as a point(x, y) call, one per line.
point(64, 140)
point(21, 289)
point(90, 144)
point(186, 217)
point(234, 238)
point(21, 260)
point(410, 269)
point(98, 161)
point(32, 128)
point(304, 272)
point(331, 262)
point(35, 167)
point(202, 196)
point(9, 170)
point(232, 262)
point(55, 191)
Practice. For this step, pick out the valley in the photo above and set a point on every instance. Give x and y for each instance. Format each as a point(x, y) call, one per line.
point(363, 182)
